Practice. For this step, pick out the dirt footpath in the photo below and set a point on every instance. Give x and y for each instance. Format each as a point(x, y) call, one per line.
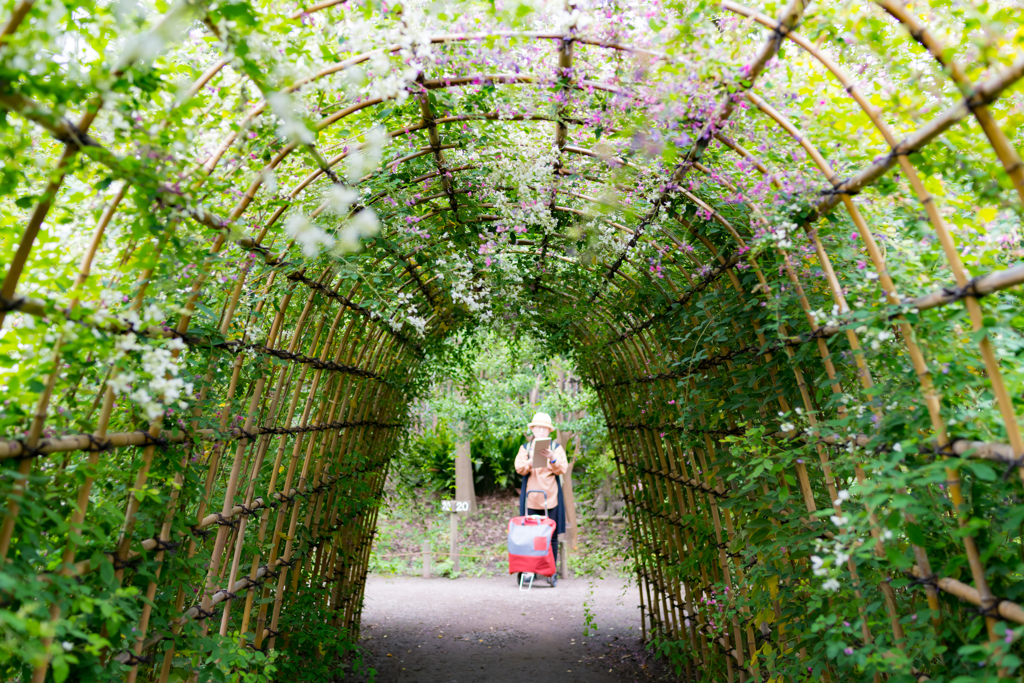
point(471, 630)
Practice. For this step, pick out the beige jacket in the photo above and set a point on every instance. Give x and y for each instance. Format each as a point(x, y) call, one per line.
point(542, 478)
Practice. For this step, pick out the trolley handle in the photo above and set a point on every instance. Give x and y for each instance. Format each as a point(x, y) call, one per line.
point(529, 491)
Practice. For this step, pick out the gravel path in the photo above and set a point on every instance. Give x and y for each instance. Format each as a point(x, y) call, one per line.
point(473, 630)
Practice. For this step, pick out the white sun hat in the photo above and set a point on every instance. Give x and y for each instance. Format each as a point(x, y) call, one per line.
point(541, 420)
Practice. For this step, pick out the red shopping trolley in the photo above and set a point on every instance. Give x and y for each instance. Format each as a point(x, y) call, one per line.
point(530, 549)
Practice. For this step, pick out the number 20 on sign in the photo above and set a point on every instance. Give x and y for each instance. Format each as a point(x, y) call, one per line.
point(454, 506)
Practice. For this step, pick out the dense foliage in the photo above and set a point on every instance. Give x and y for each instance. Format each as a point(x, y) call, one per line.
point(237, 236)
point(488, 399)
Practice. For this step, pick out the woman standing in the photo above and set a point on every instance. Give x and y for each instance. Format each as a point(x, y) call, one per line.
point(543, 479)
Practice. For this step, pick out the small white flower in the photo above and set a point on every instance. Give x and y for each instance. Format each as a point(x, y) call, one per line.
point(339, 199)
point(843, 495)
point(68, 646)
point(292, 127)
point(308, 235)
point(154, 410)
point(121, 382)
point(152, 314)
point(887, 534)
point(364, 224)
point(898, 447)
point(367, 158)
point(787, 427)
point(831, 585)
point(270, 181)
point(841, 557)
point(839, 521)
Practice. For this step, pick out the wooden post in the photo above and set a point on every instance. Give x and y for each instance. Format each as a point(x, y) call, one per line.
point(454, 549)
point(426, 558)
point(570, 502)
point(464, 487)
point(563, 567)
point(570, 508)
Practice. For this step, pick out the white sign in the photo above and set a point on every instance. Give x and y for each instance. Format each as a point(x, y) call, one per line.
point(454, 506)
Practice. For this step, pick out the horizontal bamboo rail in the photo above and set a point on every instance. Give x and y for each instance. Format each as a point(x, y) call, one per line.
point(89, 442)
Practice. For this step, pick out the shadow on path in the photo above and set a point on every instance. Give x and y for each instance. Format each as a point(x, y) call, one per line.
point(473, 630)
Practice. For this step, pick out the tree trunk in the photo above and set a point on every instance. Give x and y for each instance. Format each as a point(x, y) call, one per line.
point(570, 502)
point(464, 487)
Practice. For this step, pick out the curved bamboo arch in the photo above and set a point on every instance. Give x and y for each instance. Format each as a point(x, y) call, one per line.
point(310, 369)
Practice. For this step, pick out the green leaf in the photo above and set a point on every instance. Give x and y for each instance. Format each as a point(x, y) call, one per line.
point(60, 669)
point(107, 571)
point(241, 13)
point(982, 470)
point(915, 534)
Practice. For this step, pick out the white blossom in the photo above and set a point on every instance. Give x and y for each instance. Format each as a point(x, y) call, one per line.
point(121, 382)
point(310, 237)
point(291, 127)
point(831, 585)
point(420, 324)
point(339, 199)
point(153, 314)
point(366, 158)
point(364, 224)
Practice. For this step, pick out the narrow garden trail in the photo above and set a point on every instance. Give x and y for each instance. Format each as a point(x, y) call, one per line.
point(472, 630)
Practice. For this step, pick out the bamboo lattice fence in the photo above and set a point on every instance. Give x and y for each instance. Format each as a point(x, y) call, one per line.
point(739, 411)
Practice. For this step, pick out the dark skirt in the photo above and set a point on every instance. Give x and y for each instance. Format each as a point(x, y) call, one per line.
point(559, 512)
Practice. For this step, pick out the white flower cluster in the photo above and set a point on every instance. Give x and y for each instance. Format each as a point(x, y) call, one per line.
point(459, 273)
point(883, 336)
point(830, 584)
point(366, 157)
point(574, 16)
point(147, 45)
point(414, 50)
point(831, 319)
point(419, 323)
point(407, 313)
point(355, 228)
point(524, 166)
point(819, 568)
point(308, 235)
point(841, 497)
point(782, 235)
point(290, 125)
point(155, 385)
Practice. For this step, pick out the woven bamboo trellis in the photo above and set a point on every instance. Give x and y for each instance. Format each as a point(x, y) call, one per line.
point(740, 411)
